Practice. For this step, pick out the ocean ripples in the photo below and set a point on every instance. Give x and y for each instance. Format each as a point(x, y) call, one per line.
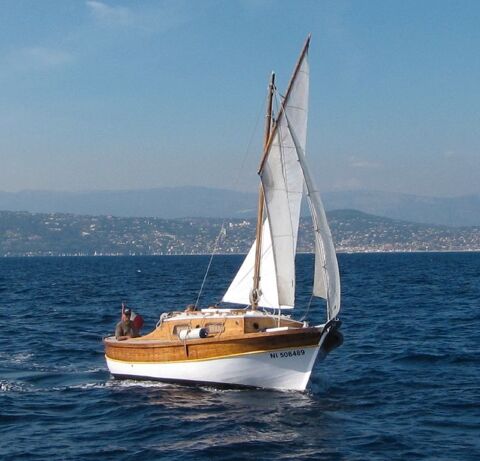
point(404, 385)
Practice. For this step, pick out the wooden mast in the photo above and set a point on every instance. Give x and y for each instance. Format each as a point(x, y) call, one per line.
point(255, 296)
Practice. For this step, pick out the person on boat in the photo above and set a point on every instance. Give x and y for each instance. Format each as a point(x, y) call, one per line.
point(136, 318)
point(125, 329)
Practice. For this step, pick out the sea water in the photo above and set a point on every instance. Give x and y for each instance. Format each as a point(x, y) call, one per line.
point(404, 385)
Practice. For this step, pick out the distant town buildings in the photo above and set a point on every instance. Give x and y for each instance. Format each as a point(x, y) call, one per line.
point(27, 234)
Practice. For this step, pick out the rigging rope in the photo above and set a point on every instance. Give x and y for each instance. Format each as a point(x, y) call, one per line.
point(209, 264)
point(304, 316)
point(235, 184)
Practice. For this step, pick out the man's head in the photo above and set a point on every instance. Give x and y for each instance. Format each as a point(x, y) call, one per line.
point(127, 313)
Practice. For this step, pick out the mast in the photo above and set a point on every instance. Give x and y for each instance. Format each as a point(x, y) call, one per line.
point(255, 295)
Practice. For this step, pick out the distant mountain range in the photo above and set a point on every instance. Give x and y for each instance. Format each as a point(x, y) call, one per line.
point(448, 211)
point(180, 202)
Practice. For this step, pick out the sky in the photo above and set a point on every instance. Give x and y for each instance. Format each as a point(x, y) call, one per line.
point(103, 94)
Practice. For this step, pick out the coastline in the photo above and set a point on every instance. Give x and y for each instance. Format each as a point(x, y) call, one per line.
point(231, 254)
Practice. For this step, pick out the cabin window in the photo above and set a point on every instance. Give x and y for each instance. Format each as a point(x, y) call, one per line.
point(178, 328)
point(215, 328)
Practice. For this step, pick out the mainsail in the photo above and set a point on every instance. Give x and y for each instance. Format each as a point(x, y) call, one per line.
point(282, 181)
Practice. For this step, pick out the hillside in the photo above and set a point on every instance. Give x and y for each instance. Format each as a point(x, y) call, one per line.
point(39, 234)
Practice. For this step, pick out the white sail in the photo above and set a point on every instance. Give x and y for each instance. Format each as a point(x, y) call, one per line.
point(282, 180)
point(327, 277)
point(241, 286)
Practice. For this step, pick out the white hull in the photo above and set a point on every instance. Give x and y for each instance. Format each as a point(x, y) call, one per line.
point(281, 369)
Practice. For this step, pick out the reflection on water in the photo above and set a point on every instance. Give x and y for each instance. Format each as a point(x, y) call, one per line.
point(214, 416)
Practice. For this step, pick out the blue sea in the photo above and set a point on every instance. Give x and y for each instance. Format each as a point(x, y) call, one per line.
point(405, 385)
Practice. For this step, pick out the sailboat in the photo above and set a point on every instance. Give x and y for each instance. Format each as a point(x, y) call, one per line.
point(255, 342)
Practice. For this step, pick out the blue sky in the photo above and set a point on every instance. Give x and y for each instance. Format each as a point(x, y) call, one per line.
point(129, 95)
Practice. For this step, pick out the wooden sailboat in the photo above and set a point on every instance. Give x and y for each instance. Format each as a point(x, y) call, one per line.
point(258, 344)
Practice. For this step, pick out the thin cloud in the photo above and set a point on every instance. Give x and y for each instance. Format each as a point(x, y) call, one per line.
point(38, 58)
point(450, 154)
point(355, 162)
point(159, 17)
point(347, 184)
point(255, 5)
point(110, 15)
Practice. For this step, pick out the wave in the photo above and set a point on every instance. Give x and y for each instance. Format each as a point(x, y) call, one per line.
point(9, 386)
point(16, 358)
point(404, 385)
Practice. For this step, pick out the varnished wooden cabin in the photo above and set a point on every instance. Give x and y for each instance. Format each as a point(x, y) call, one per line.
point(228, 333)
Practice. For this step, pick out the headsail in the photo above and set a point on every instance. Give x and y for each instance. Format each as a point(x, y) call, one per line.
point(327, 277)
point(239, 291)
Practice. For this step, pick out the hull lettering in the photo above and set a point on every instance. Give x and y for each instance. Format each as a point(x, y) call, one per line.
point(287, 354)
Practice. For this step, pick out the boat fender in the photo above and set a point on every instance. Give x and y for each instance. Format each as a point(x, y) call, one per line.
point(196, 333)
